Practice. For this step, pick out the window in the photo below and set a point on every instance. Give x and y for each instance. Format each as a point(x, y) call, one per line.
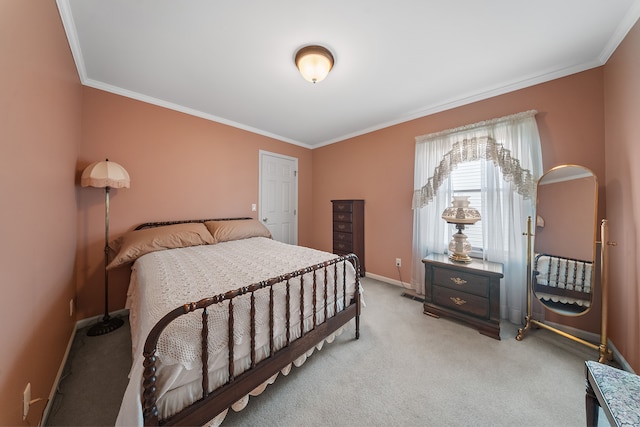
point(466, 181)
point(504, 193)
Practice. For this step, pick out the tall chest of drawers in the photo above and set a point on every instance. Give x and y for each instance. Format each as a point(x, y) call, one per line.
point(466, 292)
point(348, 229)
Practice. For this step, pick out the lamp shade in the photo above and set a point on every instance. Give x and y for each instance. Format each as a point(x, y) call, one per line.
point(314, 63)
point(460, 212)
point(105, 174)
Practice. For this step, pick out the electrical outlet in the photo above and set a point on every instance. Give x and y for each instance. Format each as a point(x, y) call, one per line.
point(26, 401)
point(71, 307)
point(398, 262)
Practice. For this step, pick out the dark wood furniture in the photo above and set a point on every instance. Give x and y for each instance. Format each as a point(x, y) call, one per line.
point(348, 229)
point(466, 292)
point(215, 402)
point(616, 391)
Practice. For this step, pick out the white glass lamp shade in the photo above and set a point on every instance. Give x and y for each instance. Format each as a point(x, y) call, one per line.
point(314, 63)
point(460, 212)
point(105, 174)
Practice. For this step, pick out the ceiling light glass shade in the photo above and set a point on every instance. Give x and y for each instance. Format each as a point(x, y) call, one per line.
point(314, 63)
point(105, 174)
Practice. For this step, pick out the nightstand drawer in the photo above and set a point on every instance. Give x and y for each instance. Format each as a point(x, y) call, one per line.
point(461, 301)
point(461, 281)
point(345, 227)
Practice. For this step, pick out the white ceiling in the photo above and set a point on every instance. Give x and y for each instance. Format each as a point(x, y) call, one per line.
point(232, 61)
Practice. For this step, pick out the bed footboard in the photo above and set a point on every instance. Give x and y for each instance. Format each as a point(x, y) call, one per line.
point(216, 401)
point(566, 280)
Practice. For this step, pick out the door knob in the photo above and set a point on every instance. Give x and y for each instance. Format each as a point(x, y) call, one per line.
point(264, 219)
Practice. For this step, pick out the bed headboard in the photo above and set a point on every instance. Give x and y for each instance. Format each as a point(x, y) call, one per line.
point(163, 223)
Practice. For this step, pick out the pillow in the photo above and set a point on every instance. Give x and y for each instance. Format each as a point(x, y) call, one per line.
point(134, 244)
point(236, 229)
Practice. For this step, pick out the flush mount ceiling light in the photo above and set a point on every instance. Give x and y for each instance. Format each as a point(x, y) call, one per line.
point(314, 62)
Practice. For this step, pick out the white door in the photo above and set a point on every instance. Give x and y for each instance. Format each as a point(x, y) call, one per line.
point(279, 196)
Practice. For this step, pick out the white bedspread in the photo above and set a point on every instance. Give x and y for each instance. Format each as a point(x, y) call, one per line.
point(164, 280)
point(563, 273)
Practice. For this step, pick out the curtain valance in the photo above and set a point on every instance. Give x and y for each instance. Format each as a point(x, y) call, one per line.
point(474, 149)
point(474, 142)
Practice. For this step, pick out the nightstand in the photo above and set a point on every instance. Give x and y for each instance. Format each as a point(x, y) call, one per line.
point(469, 292)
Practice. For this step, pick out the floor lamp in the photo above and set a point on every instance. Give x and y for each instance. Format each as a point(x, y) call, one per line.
point(107, 175)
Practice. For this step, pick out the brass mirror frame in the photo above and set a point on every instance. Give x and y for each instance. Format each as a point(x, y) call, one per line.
point(603, 349)
point(586, 235)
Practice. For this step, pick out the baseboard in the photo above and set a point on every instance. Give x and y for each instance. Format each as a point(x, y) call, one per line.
point(388, 280)
point(587, 336)
point(95, 319)
point(594, 338)
point(79, 325)
point(617, 356)
point(56, 382)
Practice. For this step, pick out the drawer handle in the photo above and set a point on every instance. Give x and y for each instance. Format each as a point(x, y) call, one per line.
point(341, 217)
point(341, 226)
point(458, 281)
point(457, 301)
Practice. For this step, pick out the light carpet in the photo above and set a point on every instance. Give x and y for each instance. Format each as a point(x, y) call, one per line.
point(407, 369)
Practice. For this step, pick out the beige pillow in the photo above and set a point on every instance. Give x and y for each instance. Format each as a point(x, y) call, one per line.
point(134, 244)
point(236, 229)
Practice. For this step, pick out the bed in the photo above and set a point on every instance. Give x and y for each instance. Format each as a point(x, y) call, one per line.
point(218, 310)
point(565, 282)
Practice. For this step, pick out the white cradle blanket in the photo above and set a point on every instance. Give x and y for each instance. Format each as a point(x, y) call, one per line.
point(164, 280)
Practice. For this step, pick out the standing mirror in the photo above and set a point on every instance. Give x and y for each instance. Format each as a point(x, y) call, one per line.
point(561, 263)
point(565, 240)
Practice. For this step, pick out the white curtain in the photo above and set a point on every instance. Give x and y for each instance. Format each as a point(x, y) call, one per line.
point(511, 161)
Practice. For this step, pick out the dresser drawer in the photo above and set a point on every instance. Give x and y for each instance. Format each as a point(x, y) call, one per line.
point(342, 206)
point(343, 246)
point(344, 227)
point(342, 237)
point(460, 301)
point(343, 217)
point(461, 281)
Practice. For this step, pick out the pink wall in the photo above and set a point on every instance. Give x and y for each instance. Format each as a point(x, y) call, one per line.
point(378, 167)
point(570, 225)
point(622, 141)
point(40, 111)
point(181, 167)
